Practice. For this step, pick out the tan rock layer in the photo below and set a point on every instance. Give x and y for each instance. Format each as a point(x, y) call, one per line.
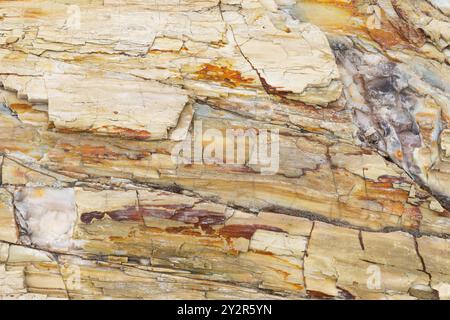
point(203, 250)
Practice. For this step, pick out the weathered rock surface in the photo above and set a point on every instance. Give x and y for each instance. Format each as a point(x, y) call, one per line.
point(104, 106)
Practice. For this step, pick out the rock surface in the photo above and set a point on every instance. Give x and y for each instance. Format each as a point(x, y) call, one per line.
point(225, 149)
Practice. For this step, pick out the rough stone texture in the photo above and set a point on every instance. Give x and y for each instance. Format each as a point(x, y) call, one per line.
point(94, 112)
point(8, 230)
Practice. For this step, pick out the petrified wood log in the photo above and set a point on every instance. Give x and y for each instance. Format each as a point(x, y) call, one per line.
point(225, 149)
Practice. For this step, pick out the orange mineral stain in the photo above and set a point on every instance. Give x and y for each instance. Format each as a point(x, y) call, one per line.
point(33, 13)
point(222, 74)
point(20, 107)
point(399, 155)
point(385, 37)
point(346, 17)
point(38, 192)
point(330, 15)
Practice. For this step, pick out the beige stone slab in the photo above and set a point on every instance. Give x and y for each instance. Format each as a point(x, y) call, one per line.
point(8, 229)
point(133, 109)
point(278, 243)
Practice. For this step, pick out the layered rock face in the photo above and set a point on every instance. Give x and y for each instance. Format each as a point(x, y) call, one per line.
point(225, 149)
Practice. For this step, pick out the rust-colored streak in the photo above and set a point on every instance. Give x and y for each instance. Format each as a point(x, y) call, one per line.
point(20, 107)
point(318, 295)
point(415, 215)
point(244, 230)
point(238, 231)
point(386, 189)
point(186, 215)
point(123, 132)
point(386, 38)
point(444, 213)
point(273, 90)
point(184, 230)
point(112, 131)
point(266, 253)
point(391, 179)
point(222, 74)
point(95, 152)
point(159, 51)
point(127, 214)
point(100, 152)
point(89, 216)
point(394, 207)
